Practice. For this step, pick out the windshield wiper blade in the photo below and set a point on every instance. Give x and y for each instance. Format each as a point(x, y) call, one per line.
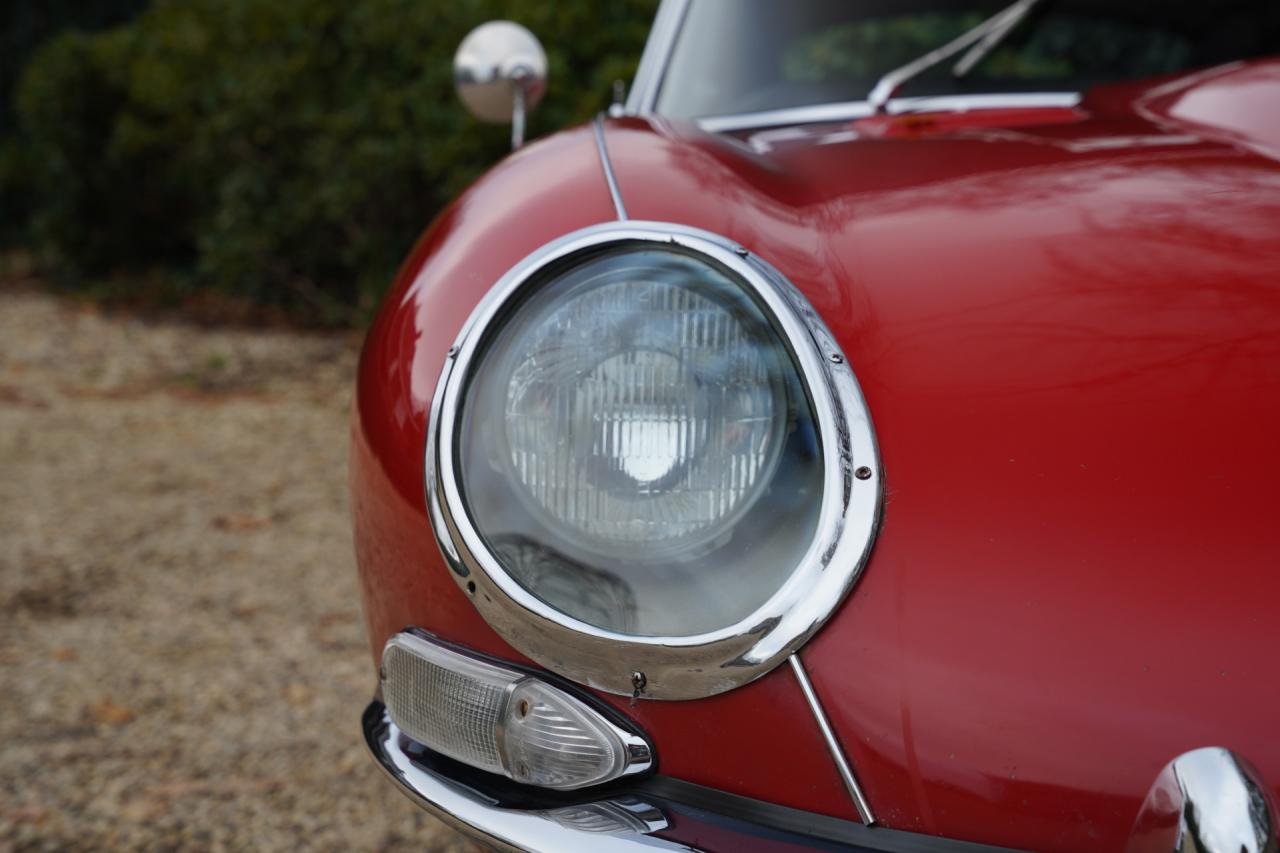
point(981, 40)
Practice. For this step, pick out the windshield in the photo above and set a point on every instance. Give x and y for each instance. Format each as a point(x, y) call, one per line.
point(743, 56)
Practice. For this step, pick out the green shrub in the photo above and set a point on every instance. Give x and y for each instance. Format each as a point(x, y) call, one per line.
point(15, 189)
point(285, 150)
point(24, 26)
point(103, 199)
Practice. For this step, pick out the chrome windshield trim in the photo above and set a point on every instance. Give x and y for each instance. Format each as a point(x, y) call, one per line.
point(657, 55)
point(651, 72)
point(672, 667)
point(851, 110)
point(833, 745)
point(607, 165)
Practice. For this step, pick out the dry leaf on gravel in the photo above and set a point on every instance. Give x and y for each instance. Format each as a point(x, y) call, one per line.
point(238, 522)
point(109, 713)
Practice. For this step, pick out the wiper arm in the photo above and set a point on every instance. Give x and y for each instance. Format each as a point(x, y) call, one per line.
point(981, 40)
point(992, 40)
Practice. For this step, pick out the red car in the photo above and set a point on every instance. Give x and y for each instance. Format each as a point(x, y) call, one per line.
point(865, 437)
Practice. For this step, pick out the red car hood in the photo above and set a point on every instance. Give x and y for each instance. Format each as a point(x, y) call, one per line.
point(1067, 327)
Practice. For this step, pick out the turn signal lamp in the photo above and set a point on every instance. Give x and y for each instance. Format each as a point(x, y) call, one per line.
point(502, 720)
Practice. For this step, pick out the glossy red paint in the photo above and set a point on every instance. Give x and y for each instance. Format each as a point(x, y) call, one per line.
point(1235, 104)
point(1068, 335)
point(913, 125)
point(1069, 339)
point(545, 191)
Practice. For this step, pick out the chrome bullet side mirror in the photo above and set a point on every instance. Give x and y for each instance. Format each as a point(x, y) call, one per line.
point(500, 72)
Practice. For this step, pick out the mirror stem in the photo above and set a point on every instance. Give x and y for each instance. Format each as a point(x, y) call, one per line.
point(517, 114)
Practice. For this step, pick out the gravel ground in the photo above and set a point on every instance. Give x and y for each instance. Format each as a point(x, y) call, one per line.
point(182, 661)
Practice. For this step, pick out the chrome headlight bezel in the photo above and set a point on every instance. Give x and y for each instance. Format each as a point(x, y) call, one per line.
point(684, 667)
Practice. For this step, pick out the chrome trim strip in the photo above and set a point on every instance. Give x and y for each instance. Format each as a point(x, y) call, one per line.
point(829, 735)
point(850, 110)
point(657, 54)
point(609, 177)
point(628, 820)
point(673, 667)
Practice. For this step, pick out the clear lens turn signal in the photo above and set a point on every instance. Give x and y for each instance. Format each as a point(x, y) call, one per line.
point(502, 720)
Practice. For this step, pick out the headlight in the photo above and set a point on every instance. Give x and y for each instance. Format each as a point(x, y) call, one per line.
point(638, 425)
point(643, 403)
point(636, 447)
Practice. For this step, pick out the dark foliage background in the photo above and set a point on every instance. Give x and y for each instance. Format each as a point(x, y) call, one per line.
point(284, 151)
point(25, 24)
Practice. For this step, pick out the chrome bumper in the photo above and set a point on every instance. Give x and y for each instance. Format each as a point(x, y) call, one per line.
point(655, 814)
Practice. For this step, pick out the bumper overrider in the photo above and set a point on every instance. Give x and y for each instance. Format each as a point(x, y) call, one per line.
point(653, 813)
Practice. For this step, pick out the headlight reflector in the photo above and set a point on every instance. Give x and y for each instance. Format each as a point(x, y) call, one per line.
point(640, 412)
point(622, 427)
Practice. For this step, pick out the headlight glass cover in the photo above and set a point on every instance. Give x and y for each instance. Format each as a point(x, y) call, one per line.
point(637, 447)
